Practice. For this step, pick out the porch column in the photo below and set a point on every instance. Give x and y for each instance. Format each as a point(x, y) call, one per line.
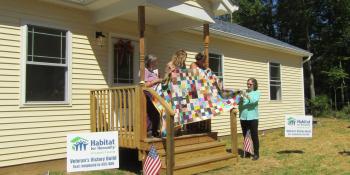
point(206, 44)
point(207, 123)
point(141, 14)
point(141, 25)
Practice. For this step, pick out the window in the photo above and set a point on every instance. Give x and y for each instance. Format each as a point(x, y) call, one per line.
point(215, 64)
point(123, 61)
point(275, 81)
point(46, 64)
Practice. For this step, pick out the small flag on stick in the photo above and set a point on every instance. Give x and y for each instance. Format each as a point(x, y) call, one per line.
point(152, 164)
point(248, 144)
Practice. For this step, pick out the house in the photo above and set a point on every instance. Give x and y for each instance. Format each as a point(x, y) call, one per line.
point(53, 52)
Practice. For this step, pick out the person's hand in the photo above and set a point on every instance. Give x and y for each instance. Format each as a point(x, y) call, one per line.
point(154, 82)
point(220, 84)
point(244, 94)
point(207, 70)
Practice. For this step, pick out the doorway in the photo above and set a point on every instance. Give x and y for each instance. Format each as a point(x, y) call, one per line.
point(125, 62)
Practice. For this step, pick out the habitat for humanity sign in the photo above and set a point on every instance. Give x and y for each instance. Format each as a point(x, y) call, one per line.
point(298, 126)
point(92, 151)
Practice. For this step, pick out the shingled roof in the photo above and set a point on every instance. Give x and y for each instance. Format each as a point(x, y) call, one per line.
point(239, 32)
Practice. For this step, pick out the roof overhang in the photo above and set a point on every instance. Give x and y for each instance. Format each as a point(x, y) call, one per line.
point(165, 15)
point(221, 7)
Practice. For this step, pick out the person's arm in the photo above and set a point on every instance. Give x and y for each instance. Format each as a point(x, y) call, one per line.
point(153, 82)
point(193, 65)
point(252, 98)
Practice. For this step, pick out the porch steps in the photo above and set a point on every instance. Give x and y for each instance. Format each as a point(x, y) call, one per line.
point(202, 164)
point(195, 153)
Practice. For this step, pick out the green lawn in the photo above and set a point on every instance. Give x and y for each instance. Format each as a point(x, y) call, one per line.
point(327, 152)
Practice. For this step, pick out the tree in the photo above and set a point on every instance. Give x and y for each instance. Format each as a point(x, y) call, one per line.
point(335, 76)
point(296, 27)
point(256, 15)
point(319, 26)
point(333, 41)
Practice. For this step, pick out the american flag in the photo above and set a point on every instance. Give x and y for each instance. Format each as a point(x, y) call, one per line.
point(152, 164)
point(248, 143)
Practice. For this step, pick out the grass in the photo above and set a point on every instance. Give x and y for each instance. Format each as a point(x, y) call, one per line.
point(327, 152)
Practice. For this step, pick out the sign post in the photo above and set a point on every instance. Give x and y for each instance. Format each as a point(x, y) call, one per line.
point(92, 151)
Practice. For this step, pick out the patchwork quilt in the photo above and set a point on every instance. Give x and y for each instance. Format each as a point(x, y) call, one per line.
point(194, 96)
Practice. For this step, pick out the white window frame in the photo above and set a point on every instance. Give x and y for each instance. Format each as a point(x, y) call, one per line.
point(68, 91)
point(222, 64)
point(269, 80)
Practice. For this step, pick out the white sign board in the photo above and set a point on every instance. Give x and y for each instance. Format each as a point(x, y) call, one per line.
point(298, 126)
point(92, 151)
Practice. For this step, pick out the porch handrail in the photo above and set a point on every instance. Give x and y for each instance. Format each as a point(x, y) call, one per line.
point(170, 148)
point(167, 107)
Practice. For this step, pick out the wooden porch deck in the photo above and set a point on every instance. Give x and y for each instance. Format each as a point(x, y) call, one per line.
point(123, 109)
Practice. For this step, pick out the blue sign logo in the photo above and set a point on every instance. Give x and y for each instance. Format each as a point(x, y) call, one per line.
point(291, 121)
point(79, 144)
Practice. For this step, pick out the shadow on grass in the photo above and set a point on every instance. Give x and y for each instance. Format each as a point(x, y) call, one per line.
point(291, 152)
point(240, 153)
point(344, 153)
point(128, 160)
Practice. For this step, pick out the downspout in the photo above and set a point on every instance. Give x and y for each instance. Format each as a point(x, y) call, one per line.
point(308, 59)
point(305, 61)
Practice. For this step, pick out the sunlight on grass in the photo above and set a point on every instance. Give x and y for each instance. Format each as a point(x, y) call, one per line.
point(320, 154)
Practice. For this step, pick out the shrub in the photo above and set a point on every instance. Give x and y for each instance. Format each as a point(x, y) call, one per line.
point(344, 113)
point(319, 106)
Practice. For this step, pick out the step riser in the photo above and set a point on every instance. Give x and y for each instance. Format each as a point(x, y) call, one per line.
point(197, 153)
point(159, 144)
point(182, 142)
point(202, 167)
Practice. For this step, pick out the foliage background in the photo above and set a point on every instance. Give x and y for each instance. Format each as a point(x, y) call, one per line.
point(319, 26)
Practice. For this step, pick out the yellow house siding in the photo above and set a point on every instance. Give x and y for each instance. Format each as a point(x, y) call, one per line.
point(38, 133)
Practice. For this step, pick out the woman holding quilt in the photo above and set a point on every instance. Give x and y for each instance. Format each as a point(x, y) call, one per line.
point(249, 113)
point(200, 60)
point(152, 80)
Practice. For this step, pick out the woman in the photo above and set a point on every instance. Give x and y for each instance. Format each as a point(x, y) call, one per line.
point(178, 61)
point(200, 61)
point(151, 72)
point(249, 114)
point(200, 64)
point(151, 80)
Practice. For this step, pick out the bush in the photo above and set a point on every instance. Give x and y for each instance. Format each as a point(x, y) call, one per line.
point(344, 113)
point(319, 106)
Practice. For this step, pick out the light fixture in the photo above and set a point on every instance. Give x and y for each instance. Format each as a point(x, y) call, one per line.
point(100, 38)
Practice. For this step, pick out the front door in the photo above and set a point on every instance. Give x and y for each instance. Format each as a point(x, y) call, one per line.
point(125, 60)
